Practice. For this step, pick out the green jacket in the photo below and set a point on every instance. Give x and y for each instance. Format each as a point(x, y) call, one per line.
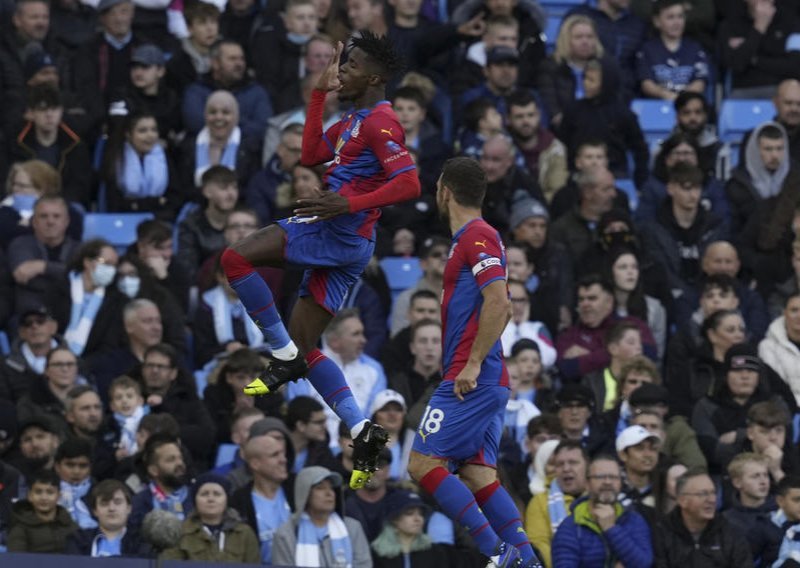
point(29, 533)
point(240, 542)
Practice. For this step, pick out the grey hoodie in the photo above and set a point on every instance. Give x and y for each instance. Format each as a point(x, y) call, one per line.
point(285, 539)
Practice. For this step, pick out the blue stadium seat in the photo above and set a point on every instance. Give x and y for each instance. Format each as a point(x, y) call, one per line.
point(401, 272)
point(737, 116)
point(559, 7)
point(629, 188)
point(5, 345)
point(225, 454)
point(117, 228)
point(656, 118)
point(551, 32)
point(182, 214)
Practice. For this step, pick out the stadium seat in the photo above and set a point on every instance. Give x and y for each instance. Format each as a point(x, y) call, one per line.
point(225, 454)
point(401, 272)
point(656, 119)
point(5, 345)
point(629, 188)
point(559, 7)
point(182, 214)
point(117, 228)
point(738, 116)
point(551, 32)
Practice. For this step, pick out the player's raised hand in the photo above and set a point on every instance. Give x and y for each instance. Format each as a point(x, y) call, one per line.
point(324, 205)
point(466, 380)
point(329, 80)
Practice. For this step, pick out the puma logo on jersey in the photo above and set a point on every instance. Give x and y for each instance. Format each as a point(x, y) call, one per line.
point(386, 131)
point(481, 243)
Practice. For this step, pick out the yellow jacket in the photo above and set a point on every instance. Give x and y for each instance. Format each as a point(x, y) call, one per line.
point(537, 524)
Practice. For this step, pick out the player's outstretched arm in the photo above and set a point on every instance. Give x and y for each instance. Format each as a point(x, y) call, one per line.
point(495, 314)
point(316, 149)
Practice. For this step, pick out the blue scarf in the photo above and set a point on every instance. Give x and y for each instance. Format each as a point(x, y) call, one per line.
point(170, 503)
point(128, 425)
point(72, 500)
point(309, 542)
point(224, 311)
point(625, 415)
point(201, 159)
point(143, 177)
point(84, 310)
point(556, 507)
point(790, 546)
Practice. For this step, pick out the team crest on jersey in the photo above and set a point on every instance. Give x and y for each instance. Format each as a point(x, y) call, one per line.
point(393, 146)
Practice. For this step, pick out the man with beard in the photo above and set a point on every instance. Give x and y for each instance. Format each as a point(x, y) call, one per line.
point(545, 156)
point(38, 441)
point(167, 489)
point(600, 531)
point(691, 110)
point(84, 415)
point(787, 105)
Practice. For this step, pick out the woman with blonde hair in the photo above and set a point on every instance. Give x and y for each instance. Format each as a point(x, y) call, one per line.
point(560, 79)
point(26, 182)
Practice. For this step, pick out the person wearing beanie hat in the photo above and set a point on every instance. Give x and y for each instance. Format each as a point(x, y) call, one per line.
point(578, 419)
point(403, 541)
point(213, 532)
point(720, 418)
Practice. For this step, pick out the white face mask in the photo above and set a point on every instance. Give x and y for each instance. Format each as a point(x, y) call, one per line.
point(129, 285)
point(103, 275)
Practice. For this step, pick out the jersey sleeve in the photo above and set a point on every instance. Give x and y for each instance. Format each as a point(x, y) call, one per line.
point(387, 142)
point(485, 255)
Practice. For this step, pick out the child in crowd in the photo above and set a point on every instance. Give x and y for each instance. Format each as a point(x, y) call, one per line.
point(194, 60)
point(481, 121)
point(73, 464)
point(671, 63)
point(39, 523)
point(787, 519)
point(128, 406)
point(110, 502)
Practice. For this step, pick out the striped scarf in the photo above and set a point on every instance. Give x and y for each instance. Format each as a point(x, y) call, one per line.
point(84, 310)
point(71, 498)
point(224, 311)
point(309, 542)
point(146, 176)
point(128, 426)
point(202, 161)
point(556, 507)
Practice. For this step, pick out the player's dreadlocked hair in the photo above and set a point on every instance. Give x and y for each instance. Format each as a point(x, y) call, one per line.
point(380, 50)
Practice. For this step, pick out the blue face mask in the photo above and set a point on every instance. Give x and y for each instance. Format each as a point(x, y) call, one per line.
point(297, 39)
point(532, 284)
point(24, 202)
point(103, 275)
point(129, 285)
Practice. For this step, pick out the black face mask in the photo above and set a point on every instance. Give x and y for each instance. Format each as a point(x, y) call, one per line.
point(619, 238)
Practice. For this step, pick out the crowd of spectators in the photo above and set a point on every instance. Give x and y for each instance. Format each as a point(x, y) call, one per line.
point(654, 345)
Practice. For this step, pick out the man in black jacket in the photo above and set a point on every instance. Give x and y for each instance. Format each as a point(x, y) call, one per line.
point(694, 534)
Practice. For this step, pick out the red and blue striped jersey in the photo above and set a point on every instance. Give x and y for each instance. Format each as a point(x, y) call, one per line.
point(477, 258)
point(368, 150)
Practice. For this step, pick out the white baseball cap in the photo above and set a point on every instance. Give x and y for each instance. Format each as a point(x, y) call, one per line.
point(634, 435)
point(385, 397)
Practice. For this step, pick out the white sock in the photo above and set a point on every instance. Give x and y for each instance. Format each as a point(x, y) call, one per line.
point(287, 352)
point(356, 430)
